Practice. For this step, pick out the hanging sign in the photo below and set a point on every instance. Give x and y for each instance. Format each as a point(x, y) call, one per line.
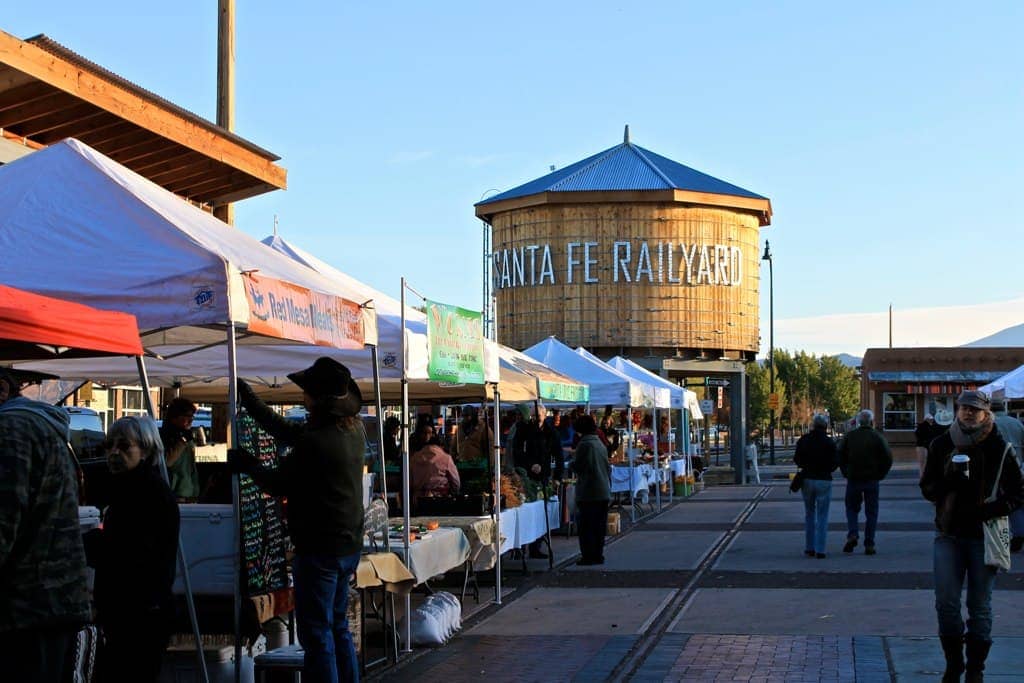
point(455, 344)
point(287, 311)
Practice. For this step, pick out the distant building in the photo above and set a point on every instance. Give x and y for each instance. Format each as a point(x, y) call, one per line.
point(902, 385)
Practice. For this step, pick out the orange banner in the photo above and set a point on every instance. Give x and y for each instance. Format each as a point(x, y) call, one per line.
point(281, 309)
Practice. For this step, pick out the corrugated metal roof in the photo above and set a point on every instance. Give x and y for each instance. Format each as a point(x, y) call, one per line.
point(624, 167)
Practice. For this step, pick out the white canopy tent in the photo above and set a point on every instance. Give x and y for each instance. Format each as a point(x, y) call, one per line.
point(607, 385)
point(1009, 387)
point(78, 226)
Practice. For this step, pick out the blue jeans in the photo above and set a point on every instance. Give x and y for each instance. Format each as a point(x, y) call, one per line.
point(856, 490)
point(817, 495)
point(321, 601)
point(955, 557)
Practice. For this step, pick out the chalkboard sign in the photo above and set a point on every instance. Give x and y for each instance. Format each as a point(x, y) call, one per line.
point(264, 533)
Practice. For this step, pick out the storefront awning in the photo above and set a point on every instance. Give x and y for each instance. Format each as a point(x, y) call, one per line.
point(967, 377)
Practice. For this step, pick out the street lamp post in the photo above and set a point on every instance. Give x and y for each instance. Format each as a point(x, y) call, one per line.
point(767, 256)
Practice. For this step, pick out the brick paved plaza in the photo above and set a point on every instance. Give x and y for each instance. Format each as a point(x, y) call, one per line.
point(716, 588)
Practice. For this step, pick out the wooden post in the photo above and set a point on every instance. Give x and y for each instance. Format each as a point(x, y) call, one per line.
point(225, 84)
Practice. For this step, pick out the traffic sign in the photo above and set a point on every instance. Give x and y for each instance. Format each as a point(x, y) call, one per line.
point(717, 382)
point(721, 392)
point(773, 401)
point(707, 406)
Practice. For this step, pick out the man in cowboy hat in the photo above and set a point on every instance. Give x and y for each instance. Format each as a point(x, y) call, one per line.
point(323, 480)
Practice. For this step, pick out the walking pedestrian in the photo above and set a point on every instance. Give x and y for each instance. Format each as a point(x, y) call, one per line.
point(816, 456)
point(959, 492)
point(323, 480)
point(864, 458)
point(593, 491)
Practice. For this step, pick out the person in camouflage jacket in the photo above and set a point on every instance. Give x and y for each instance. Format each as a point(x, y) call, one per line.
point(43, 598)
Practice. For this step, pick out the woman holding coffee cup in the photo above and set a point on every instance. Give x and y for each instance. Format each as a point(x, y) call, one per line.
point(960, 473)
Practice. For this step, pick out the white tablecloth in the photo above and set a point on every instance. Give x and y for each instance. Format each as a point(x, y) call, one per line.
point(443, 549)
point(479, 532)
point(643, 477)
point(530, 520)
point(678, 467)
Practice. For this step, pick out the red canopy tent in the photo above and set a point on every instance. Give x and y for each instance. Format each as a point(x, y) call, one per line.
point(36, 327)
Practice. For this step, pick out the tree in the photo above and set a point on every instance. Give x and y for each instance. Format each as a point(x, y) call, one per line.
point(760, 388)
point(840, 388)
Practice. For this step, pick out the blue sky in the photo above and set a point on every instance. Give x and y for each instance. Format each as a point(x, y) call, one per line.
point(887, 137)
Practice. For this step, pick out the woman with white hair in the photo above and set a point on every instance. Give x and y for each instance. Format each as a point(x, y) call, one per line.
point(134, 555)
point(961, 493)
point(816, 457)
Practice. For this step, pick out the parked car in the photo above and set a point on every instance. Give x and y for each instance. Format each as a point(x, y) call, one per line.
point(87, 437)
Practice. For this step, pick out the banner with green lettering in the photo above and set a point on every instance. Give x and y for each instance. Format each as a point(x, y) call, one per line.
point(455, 342)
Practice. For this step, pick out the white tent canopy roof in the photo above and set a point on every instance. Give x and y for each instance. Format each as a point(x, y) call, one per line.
point(681, 397)
point(607, 385)
point(1009, 387)
point(655, 395)
point(136, 247)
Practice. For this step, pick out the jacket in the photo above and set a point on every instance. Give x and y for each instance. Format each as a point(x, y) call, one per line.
point(960, 506)
point(816, 455)
point(42, 561)
point(474, 446)
point(183, 475)
point(322, 479)
point(135, 552)
point(536, 445)
point(432, 472)
point(592, 470)
point(864, 455)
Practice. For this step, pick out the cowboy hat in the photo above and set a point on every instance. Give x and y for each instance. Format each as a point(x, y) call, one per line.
point(327, 378)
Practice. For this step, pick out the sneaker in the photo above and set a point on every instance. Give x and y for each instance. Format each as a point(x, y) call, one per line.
point(869, 550)
point(820, 556)
point(851, 543)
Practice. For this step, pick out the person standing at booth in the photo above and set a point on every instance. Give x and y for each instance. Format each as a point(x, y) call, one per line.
point(180, 448)
point(43, 600)
point(134, 555)
point(323, 480)
point(593, 491)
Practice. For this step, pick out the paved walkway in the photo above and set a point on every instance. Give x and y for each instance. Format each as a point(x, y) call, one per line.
point(717, 588)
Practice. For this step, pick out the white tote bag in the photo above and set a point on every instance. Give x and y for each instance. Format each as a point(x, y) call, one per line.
point(997, 530)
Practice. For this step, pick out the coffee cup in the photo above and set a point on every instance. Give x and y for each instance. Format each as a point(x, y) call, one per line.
point(961, 463)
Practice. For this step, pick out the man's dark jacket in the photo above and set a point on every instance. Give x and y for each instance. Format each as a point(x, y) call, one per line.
point(322, 478)
point(864, 455)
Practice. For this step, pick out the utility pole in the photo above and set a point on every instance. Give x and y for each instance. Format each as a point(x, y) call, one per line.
point(225, 84)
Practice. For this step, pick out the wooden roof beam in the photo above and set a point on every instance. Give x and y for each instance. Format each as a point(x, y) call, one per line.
point(12, 78)
point(21, 95)
point(36, 108)
point(78, 129)
point(46, 122)
point(126, 155)
point(119, 136)
point(109, 96)
point(158, 160)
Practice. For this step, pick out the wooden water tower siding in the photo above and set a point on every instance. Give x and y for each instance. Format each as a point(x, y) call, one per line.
point(639, 316)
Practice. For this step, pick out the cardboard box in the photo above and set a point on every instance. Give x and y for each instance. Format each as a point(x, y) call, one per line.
point(613, 524)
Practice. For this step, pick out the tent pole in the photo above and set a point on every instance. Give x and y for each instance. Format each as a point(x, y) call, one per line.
point(236, 509)
point(629, 457)
point(657, 468)
point(407, 640)
point(380, 435)
point(182, 563)
point(497, 496)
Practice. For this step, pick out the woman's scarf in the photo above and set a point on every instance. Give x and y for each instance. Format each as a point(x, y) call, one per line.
point(964, 437)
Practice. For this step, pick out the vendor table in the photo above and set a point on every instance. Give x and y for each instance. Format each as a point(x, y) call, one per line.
point(440, 551)
point(480, 534)
point(643, 477)
point(530, 523)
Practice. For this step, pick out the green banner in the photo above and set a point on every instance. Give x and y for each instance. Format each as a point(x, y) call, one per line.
point(565, 393)
point(455, 342)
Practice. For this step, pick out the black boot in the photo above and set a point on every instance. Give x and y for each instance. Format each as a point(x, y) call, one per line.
point(977, 653)
point(953, 648)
